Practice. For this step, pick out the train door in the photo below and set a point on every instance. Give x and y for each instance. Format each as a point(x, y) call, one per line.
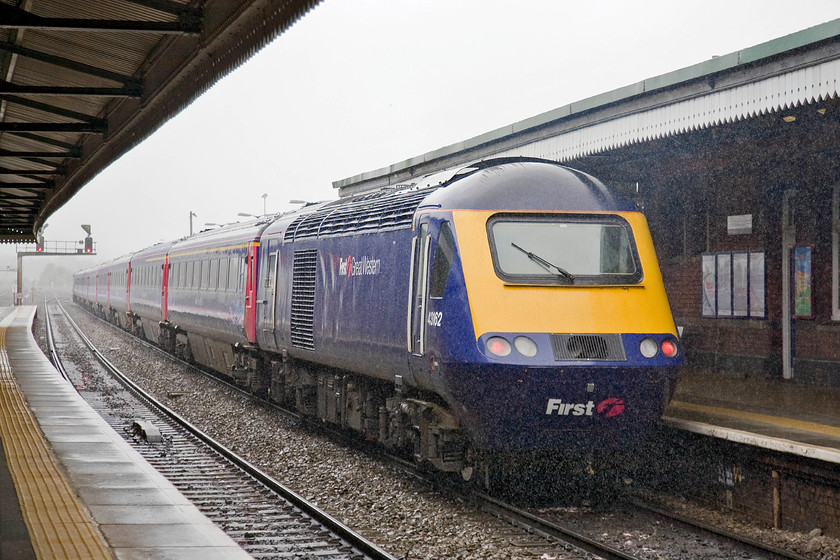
point(128, 287)
point(418, 300)
point(251, 282)
point(268, 301)
point(164, 289)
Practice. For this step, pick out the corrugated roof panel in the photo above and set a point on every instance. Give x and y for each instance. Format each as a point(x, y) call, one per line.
point(122, 53)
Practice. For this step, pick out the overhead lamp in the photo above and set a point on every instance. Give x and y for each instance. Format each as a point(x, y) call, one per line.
point(821, 110)
point(789, 118)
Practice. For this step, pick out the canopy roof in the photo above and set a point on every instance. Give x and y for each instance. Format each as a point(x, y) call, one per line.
point(83, 82)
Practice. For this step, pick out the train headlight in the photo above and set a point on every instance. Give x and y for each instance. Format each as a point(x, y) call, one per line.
point(525, 346)
point(669, 348)
point(498, 346)
point(648, 347)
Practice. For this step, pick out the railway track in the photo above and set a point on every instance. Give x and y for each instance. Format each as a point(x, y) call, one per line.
point(549, 532)
point(266, 518)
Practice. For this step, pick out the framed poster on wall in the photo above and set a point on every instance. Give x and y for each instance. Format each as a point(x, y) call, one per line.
point(709, 286)
point(724, 284)
point(733, 284)
point(802, 307)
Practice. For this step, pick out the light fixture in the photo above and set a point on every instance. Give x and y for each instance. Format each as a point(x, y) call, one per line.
point(789, 118)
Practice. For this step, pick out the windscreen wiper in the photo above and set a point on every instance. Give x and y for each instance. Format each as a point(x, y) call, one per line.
point(563, 273)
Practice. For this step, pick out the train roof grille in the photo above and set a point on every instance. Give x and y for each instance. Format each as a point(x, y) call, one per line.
point(380, 211)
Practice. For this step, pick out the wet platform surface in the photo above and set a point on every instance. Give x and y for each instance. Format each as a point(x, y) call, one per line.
point(82, 491)
point(781, 415)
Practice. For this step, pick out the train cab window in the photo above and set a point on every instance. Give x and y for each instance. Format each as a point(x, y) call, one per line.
point(564, 249)
point(444, 255)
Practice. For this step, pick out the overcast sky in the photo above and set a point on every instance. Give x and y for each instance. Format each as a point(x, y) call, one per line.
point(357, 85)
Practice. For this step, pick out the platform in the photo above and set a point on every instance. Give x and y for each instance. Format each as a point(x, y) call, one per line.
point(781, 415)
point(82, 492)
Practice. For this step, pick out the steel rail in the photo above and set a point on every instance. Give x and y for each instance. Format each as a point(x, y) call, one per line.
point(757, 546)
point(53, 351)
point(368, 548)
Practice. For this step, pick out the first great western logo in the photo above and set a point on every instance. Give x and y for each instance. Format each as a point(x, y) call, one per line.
point(359, 266)
point(607, 408)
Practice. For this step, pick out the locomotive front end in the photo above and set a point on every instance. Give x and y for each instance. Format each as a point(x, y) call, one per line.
point(575, 343)
point(548, 329)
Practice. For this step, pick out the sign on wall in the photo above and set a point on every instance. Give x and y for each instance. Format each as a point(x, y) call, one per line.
point(739, 225)
point(733, 284)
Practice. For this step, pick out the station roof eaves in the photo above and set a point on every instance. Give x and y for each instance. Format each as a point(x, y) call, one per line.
point(83, 82)
point(704, 71)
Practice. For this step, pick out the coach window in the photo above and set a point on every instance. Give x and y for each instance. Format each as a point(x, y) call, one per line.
point(214, 274)
point(205, 274)
point(223, 274)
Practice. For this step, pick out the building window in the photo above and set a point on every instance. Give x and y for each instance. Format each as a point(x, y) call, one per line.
point(733, 285)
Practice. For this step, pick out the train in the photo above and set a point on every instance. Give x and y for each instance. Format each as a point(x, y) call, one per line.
point(509, 307)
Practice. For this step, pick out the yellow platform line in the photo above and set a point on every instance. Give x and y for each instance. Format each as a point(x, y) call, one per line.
point(756, 417)
point(59, 526)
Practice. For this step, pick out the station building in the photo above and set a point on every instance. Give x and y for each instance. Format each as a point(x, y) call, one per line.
point(736, 163)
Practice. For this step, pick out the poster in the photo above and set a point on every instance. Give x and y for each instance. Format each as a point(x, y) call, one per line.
point(802, 283)
point(757, 296)
point(709, 286)
point(733, 284)
point(724, 285)
point(740, 285)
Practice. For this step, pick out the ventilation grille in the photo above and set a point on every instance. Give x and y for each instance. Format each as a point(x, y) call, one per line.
point(591, 347)
point(303, 299)
point(378, 211)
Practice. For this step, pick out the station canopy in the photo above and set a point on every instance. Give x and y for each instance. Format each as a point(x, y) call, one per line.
point(82, 82)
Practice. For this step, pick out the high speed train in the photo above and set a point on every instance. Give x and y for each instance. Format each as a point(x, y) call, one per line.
point(512, 306)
